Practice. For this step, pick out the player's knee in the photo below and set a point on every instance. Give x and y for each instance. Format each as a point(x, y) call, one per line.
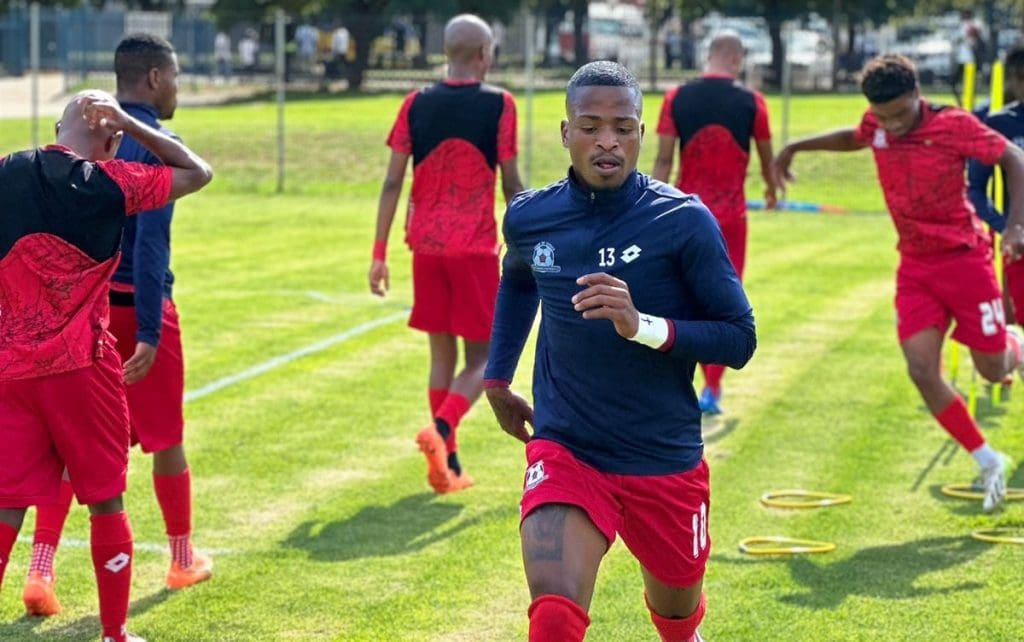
point(107, 506)
point(923, 373)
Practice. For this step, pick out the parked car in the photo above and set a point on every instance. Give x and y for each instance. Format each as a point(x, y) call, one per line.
point(810, 57)
point(612, 31)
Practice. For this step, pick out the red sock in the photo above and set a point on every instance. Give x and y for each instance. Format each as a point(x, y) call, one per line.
point(112, 561)
point(49, 525)
point(452, 411)
point(713, 377)
point(958, 423)
point(8, 535)
point(681, 629)
point(437, 397)
point(554, 618)
point(174, 494)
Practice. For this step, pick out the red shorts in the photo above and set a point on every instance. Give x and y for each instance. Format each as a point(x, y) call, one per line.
point(76, 419)
point(156, 403)
point(1013, 273)
point(663, 519)
point(454, 295)
point(930, 293)
point(735, 234)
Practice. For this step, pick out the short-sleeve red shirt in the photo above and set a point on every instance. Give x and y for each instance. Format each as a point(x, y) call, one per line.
point(457, 134)
point(714, 118)
point(922, 177)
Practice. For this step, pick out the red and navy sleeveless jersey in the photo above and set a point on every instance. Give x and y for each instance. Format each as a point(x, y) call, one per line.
point(619, 406)
point(60, 228)
point(922, 177)
point(714, 119)
point(457, 134)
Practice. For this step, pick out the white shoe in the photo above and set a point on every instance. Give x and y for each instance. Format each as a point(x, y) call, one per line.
point(993, 483)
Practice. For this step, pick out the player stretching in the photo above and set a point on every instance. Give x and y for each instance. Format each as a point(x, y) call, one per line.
point(714, 118)
point(457, 132)
point(945, 269)
point(616, 446)
point(62, 395)
point(144, 321)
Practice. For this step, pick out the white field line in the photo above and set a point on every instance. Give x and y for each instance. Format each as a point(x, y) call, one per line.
point(285, 359)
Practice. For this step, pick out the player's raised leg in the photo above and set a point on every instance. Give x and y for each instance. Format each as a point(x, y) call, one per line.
point(923, 355)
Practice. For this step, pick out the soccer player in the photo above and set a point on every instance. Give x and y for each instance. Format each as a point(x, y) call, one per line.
point(62, 394)
point(616, 445)
point(945, 270)
point(1010, 123)
point(458, 132)
point(713, 118)
point(144, 321)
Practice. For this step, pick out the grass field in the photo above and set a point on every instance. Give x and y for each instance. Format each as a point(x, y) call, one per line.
point(311, 493)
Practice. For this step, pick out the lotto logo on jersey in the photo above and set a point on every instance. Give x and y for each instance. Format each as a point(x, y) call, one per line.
point(534, 475)
point(117, 563)
point(880, 142)
point(630, 254)
point(544, 258)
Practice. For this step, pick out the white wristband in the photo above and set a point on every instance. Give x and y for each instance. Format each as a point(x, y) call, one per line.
point(652, 332)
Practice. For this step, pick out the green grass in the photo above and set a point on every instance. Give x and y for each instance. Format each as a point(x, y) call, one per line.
point(308, 483)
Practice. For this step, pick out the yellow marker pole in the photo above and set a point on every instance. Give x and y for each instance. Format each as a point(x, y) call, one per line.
point(995, 104)
point(968, 93)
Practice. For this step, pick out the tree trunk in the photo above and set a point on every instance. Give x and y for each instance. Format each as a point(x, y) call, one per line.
point(552, 17)
point(852, 62)
point(579, 15)
point(363, 25)
point(419, 21)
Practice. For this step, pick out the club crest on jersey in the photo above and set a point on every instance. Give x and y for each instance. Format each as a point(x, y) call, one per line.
point(544, 258)
point(880, 141)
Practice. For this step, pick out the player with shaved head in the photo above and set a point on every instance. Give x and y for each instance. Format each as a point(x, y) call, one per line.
point(457, 132)
point(62, 391)
point(712, 120)
point(637, 288)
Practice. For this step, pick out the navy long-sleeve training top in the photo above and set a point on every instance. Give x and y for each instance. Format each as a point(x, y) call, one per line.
point(1010, 123)
point(616, 404)
point(146, 243)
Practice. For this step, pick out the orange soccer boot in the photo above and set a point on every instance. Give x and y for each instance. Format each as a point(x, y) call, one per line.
point(200, 571)
point(39, 597)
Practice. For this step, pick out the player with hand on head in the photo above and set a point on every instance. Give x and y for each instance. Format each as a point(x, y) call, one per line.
point(713, 119)
point(458, 132)
point(62, 391)
point(637, 287)
point(144, 321)
point(945, 272)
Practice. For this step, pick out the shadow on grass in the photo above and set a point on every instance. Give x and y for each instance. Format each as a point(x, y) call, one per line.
point(87, 627)
point(409, 525)
point(888, 572)
point(715, 429)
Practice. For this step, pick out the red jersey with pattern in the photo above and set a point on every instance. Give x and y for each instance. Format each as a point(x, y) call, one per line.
point(922, 177)
point(457, 134)
point(60, 229)
point(714, 119)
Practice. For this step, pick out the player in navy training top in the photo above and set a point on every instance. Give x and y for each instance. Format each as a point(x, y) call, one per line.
point(1010, 123)
point(144, 321)
point(616, 447)
point(712, 120)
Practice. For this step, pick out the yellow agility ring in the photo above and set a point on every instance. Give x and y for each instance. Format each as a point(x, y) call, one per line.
point(784, 546)
point(1001, 535)
point(802, 499)
point(967, 491)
